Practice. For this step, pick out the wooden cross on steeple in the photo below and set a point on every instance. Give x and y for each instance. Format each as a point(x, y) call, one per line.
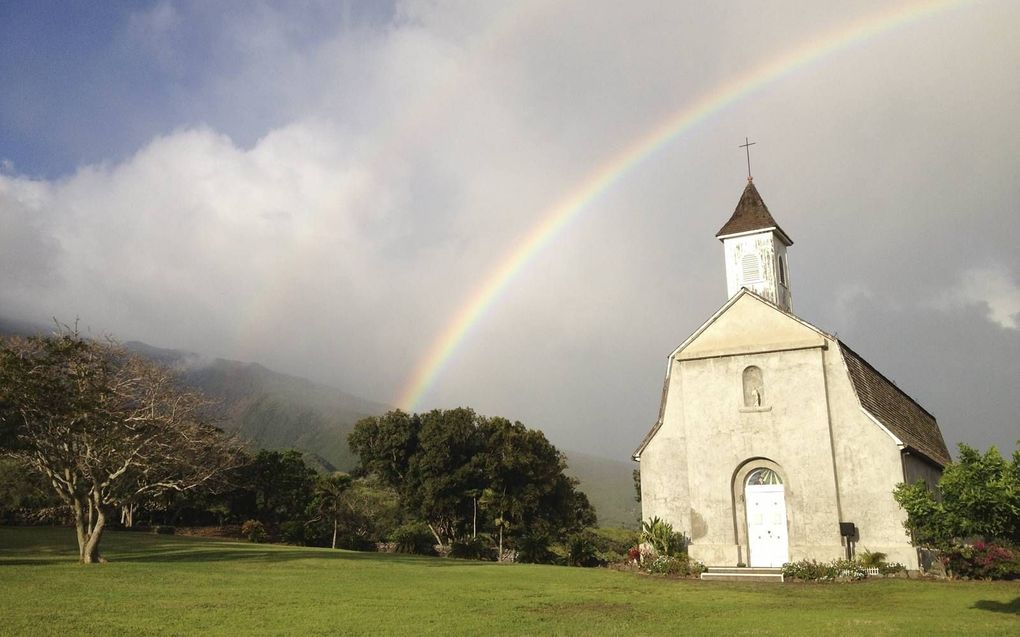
point(747, 147)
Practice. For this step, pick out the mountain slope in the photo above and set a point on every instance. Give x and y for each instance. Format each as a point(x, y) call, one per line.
point(273, 410)
point(609, 485)
point(270, 410)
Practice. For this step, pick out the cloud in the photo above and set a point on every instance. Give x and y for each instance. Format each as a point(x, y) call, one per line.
point(992, 288)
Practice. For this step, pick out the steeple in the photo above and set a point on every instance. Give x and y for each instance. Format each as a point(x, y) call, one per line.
point(755, 249)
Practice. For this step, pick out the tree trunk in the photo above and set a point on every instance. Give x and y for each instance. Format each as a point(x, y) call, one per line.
point(334, 532)
point(90, 552)
point(79, 527)
point(127, 515)
point(435, 535)
point(474, 518)
point(500, 543)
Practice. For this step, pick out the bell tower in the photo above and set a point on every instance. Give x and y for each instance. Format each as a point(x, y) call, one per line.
point(755, 249)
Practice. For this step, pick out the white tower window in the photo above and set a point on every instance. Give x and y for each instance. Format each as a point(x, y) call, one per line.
point(782, 269)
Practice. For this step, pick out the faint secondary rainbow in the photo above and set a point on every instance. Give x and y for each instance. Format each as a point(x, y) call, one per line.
point(556, 218)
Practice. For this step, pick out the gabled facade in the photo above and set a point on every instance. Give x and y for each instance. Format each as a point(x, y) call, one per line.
point(772, 432)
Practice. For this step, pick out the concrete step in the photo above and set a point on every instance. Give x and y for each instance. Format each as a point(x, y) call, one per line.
point(742, 574)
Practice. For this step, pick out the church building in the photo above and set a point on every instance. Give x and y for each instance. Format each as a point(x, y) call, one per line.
point(773, 436)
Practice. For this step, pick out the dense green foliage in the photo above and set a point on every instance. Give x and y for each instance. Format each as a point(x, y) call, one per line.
point(462, 473)
point(979, 495)
point(976, 503)
point(660, 536)
point(163, 585)
point(281, 483)
point(25, 497)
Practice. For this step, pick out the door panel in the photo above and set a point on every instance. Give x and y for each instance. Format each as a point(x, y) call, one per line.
point(767, 540)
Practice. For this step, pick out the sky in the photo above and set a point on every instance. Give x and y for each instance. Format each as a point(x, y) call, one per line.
point(323, 187)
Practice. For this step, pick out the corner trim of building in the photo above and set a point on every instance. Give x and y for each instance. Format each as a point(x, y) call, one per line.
point(871, 417)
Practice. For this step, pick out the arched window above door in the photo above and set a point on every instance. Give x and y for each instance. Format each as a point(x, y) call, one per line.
point(763, 476)
point(754, 387)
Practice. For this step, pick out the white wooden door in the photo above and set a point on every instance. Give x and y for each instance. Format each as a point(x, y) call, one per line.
point(766, 525)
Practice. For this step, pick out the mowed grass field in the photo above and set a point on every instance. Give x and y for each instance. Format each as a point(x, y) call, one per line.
point(163, 585)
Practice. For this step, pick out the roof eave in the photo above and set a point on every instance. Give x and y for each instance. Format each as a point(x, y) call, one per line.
point(785, 238)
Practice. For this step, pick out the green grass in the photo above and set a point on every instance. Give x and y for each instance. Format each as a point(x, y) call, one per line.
point(157, 585)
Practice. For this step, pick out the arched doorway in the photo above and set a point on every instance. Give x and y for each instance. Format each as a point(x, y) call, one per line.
point(765, 499)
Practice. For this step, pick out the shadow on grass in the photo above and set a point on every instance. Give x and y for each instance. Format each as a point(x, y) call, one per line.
point(39, 547)
point(1010, 608)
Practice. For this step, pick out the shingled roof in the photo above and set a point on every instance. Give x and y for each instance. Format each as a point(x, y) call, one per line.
point(897, 411)
point(751, 214)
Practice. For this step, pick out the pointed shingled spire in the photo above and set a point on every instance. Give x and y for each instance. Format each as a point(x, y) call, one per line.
point(751, 215)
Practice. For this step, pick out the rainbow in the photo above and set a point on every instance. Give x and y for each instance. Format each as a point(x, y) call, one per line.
point(569, 208)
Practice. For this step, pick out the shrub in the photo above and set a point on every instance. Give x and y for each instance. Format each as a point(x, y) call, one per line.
point(613, 544)
point(414, 537)
point(476, 548)
point(254, 531)
point(983, 560)
point(872, 559)
point(661, 536)
point(891, 569)
point(810, 570)
point(294, 532)
point(164, 529)
point(676, 565)
point(582, 550)
point(533, 548)
point(807, 570)
point(848, 569)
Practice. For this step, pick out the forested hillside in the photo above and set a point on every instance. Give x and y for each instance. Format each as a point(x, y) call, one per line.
point(270, 410)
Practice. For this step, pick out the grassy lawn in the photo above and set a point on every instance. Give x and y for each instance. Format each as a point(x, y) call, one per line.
point(158, 585)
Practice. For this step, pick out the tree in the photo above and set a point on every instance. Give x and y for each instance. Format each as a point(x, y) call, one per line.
point(283, 485)
point(977, 496)
point(329, 498)
point(529, 491)
point(105, 428)
point(430, 459)
point(444, 470)
point(385, 444)
point(447, 465)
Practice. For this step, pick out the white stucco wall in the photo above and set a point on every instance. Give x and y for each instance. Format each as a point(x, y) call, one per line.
point(836, 463)
point(869, 466)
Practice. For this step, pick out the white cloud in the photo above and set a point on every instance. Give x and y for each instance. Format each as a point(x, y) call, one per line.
point(992, 288)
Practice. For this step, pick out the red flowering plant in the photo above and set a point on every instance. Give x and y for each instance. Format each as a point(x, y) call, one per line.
point(984, 560)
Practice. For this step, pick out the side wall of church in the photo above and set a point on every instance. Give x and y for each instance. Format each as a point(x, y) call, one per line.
point(664, 481)
point(869, 467)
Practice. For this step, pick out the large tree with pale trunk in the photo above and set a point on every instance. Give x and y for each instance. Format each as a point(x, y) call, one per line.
point(106, 428)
